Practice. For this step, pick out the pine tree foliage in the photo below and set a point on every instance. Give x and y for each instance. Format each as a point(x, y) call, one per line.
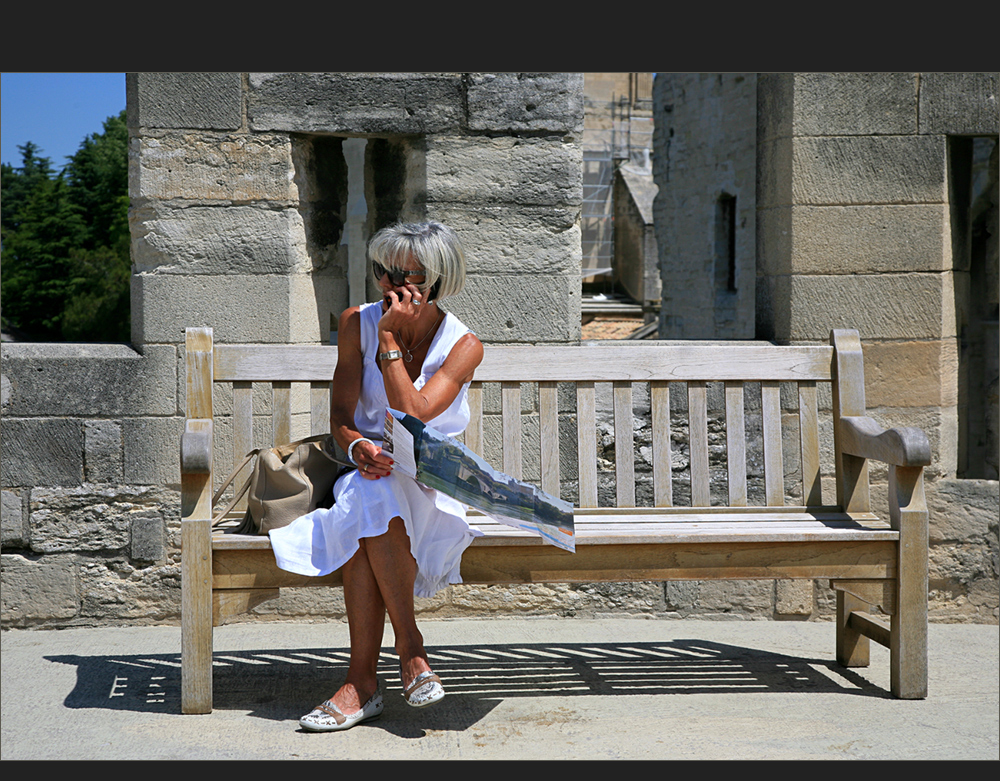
point(65, 262)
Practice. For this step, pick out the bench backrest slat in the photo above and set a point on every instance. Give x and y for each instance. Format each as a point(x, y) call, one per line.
point(774, 471)
point(809, 444)
point(698, 443)
point(548, 436)
point(510, 396)
point(736, 439)
point(586, 438)
point(659, 409)
point(624, 449)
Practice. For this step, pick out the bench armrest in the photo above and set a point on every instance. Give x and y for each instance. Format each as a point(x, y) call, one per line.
point(196, 447)
point(863, 436)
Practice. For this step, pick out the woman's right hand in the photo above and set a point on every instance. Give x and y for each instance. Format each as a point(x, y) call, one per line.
point(372, 462)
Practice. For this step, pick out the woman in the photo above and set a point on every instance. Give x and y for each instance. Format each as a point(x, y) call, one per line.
point(393, 537)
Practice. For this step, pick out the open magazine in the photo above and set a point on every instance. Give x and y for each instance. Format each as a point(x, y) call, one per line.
point(445, 464)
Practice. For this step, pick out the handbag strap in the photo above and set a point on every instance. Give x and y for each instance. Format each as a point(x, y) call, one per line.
point(282, 451)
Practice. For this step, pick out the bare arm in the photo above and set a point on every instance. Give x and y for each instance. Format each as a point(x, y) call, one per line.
point(371, 461)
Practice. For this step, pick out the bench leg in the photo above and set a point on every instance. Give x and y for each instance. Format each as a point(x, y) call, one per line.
point(196, 616)
point(908, 639)
point(852, 646)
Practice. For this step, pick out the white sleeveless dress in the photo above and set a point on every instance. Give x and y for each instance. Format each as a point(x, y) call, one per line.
point(325, 539)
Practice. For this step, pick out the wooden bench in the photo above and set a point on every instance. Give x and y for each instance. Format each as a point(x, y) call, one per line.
point(869, 561)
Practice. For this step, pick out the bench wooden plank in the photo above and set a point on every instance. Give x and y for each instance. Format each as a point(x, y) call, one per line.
point(628, 561)
point(281, 413)
point(698, 443)
point(774, 468)
point(510, 398)
point(644, 362)
point(736, 436)
point(659, 399)
point(319, 408)
point(586, 437)
point(548, 423)
point(562, 363)
point(812, 487)
point(242, 434)
point(624, 445)
point(474, 431)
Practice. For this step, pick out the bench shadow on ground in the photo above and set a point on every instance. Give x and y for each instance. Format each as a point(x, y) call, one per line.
point(276, 684)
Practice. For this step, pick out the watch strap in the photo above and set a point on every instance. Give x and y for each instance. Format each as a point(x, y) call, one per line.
point(390, 356)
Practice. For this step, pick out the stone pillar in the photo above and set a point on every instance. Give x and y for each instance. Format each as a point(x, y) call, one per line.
point(704, 166)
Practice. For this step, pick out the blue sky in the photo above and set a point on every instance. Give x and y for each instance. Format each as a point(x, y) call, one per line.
point(56, 111)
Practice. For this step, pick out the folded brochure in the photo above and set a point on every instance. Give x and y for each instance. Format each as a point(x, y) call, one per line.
point(445, 464)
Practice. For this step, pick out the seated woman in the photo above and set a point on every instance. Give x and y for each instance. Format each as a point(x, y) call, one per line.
point(393, 537)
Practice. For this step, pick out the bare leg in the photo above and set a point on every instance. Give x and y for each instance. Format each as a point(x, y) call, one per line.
point(366, 622)
point(395, 570)
point(380, 577)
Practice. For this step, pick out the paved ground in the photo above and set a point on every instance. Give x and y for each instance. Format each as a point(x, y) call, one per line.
point(518, 689)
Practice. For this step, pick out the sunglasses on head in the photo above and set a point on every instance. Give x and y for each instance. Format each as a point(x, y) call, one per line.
point(397, 276)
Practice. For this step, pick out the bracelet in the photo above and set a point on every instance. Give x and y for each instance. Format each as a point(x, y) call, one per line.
point(350, 450)
point(390, 356)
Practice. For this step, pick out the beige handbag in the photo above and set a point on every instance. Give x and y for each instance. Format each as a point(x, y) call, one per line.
point(287, 481)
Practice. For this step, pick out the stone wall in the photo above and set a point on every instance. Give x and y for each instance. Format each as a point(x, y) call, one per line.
point(874, 197)
point(251, 197)
point(704, 163)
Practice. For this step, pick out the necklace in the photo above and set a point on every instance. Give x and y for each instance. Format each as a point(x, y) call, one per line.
point(409, 350)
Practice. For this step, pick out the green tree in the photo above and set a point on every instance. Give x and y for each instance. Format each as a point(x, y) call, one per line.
point(66, 266)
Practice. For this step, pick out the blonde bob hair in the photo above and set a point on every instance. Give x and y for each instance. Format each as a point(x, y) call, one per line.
point(434, 245)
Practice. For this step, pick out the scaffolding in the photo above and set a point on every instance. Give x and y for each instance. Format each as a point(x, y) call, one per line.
point(629, 139)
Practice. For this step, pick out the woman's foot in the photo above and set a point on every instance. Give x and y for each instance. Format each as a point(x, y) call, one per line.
point(421, 686)
point(330, 716)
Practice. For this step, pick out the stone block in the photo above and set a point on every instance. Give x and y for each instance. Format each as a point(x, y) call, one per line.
point(505, 102)
point(212, 167)
point(879, 306)
point(152, 450)
point(89, 380)
point(210, 101)
point(959, 103)
point(147, 539)
point(854, 239)
point(82, 518)
point(522, 171)
point(102, 451)
point(231, 240)
point(869, 170)
point(794, 597)
point(240, 308)
point(13, 529)
point(511, 239)
point(963, 511)
point(39, 589)
point(511, 309)
point(911, 373)
point(721, 598)
point(839, 104)
point(41, 452)
point(353, 103)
